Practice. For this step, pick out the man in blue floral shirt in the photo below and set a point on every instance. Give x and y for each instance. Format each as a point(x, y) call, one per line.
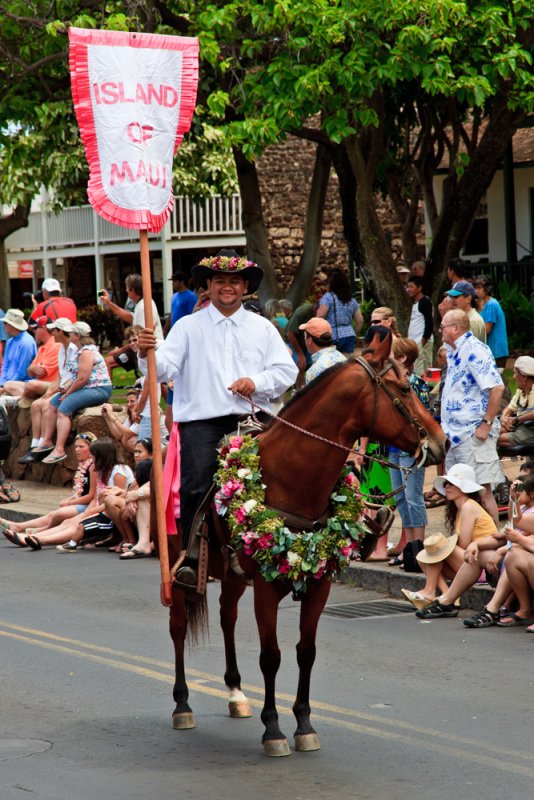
point(471, 400)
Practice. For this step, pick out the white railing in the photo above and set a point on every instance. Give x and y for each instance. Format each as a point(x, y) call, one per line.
point(75, 226)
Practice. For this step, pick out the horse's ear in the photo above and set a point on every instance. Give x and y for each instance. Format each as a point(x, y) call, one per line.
point(378, 351)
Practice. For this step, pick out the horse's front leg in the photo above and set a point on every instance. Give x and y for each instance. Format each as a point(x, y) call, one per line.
point(232, 588)
point(312, 605)
point(182, 717)
point(267, 596)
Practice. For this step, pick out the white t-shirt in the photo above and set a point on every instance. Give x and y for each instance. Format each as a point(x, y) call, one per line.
point(139, 318)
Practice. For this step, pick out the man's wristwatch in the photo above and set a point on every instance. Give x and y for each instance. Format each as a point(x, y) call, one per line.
point(488, 421)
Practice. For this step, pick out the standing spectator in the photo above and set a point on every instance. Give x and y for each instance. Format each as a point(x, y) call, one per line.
point(470, 402)
point(409, 498)
point(90, 387)
point(491, 312)
point(403, 272)
point(320, 345)
point(295, 338)
point(421, 324)
point(134, 290)
point(520, 409)
point(3, 336)
point(463, 297)
point(457, 270)
point(20, 348)
point(43, 370)
point(340, 309)
point(54, 305)
point(419, 268)
point(183, 300)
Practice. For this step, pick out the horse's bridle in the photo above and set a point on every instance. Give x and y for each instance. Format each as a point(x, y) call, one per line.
point(378, 383)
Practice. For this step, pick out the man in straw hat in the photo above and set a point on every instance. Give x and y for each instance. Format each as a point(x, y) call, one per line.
point(470, 402)
point(20, 348)
point(320, 345)
point(514, 432)
point(217, 358)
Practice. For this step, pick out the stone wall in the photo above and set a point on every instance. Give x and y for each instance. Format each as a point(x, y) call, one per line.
point(62, 474)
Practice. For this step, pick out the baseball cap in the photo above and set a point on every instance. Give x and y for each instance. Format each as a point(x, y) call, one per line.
point(51, 285)
point(43, 321)
point(462, 287)
point(61, 324)
point(81, 328)
point(318, 327)
point(401, 268)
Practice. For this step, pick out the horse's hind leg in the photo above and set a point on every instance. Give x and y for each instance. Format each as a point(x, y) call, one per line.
point(232, 588)
point(311, 609)
point(182, 717)
point(266, 599)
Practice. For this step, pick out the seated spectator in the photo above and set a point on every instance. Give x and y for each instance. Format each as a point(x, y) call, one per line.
point(54, 305)
point(20, 349)
point(320, 345)
point(123, 508)
point(67, 372)
point(520, 409)
point(43, 370)
point(442, 557)
point(92, 525)
point(126, 356)
point(90, 387)
point(138, 500)
point(84, 487)
point(126, 430)
point(515, 580)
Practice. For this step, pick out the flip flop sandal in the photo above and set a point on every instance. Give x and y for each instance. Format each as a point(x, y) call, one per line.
point(14, 538)
point(11, 491)
point(513, 621)
point(435, 502)
point(32, 542)
point(54, 459)
point(132, 555)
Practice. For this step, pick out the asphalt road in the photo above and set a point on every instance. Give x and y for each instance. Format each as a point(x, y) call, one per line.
point(404, 709)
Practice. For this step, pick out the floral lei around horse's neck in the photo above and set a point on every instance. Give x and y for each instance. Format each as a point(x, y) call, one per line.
point(261, 533)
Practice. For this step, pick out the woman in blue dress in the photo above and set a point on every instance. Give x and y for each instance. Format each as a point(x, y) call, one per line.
point(341, 310)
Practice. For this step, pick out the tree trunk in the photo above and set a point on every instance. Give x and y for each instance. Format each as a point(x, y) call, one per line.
point(254, 224)
point(313, 227)
point(9, 224)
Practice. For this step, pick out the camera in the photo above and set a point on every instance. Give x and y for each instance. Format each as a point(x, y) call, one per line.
point(27, 298)
point(101, 293)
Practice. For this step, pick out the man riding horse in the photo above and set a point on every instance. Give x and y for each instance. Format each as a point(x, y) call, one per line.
point(211, 355)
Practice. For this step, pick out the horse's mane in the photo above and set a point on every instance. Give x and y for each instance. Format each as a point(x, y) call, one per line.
point(311, 387)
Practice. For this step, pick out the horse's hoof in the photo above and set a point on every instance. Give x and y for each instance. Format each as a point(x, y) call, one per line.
point(239, 709)
point(183, 721)
point(276, 748)
point(306, 742)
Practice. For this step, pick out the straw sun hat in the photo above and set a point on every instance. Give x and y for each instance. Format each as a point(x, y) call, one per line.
point(437, 548)
point(461, 475)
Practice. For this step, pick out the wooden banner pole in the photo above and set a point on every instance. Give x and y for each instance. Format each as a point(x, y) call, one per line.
point(157, 468)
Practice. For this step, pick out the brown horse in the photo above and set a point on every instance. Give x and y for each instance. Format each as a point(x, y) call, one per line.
point(361, 398)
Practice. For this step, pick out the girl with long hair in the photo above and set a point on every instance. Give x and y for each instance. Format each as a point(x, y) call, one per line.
point(341, 310)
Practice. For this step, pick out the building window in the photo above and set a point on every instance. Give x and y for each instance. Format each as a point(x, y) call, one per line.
point(477, 241)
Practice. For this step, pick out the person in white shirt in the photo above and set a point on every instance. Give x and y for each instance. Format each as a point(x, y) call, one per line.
point(209, 355)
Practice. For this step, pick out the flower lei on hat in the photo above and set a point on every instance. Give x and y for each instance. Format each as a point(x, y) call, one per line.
point(226, 263)
point(262, 534)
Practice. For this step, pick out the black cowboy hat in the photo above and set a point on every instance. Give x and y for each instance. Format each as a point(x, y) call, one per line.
point(231, 263)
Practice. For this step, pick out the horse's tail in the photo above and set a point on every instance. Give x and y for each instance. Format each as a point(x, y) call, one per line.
point(196, 614)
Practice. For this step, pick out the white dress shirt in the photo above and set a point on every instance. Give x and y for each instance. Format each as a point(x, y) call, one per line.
point(205, 352)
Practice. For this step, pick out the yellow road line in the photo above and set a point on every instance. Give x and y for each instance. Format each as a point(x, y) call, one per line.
point(403, 731)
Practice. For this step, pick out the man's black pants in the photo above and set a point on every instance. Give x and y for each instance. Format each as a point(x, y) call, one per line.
point(198, 463)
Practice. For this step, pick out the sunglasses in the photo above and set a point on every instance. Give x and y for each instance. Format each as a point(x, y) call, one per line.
point(376, 322)
point(87, 437)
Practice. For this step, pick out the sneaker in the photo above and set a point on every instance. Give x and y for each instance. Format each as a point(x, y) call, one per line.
point(436, 610)
point(67, 548)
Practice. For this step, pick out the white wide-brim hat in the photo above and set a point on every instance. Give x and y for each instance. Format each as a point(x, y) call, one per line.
point(437, 548)
point(15, 318)
point(461, 475)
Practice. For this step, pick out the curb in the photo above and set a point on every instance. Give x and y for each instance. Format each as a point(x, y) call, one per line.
point(390, 581)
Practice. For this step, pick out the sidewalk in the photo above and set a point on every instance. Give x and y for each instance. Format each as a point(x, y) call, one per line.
point(36, 499)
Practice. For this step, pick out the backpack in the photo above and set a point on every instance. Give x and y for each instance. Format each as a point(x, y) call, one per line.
point(409, 560)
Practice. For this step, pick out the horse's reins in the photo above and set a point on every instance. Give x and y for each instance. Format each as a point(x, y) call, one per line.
point(376, 377)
